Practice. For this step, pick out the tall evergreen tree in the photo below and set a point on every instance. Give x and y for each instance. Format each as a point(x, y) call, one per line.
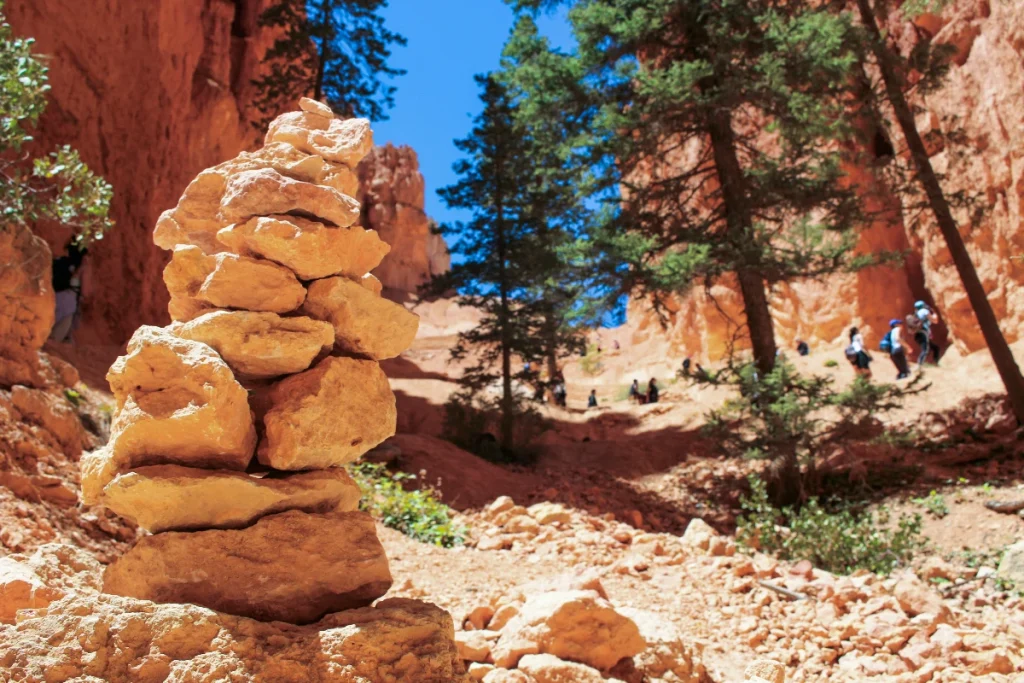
point(494, 271)
point(332, 50)
point(715, 118)
point(893, 69)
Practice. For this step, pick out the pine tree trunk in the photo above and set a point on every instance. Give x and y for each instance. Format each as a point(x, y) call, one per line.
point(740, 227)
point(551, 345)
point(504, 322)
point(1000, 350)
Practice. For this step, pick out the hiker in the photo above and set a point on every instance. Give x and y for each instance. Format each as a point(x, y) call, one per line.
point(67, 288)
point(652, 391)
point(892, 343)
point(802, 348)
point(922, 320)
point(686, 366)
point(592, 399)
point(560, 394)
point(857, 355)
point(634, 391)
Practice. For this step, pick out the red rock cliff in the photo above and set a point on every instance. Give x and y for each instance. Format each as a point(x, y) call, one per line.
point(983, 98)
point(152, 92)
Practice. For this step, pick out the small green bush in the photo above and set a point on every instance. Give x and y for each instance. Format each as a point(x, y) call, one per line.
point(73, 397)
point(839, 541)
point(417, 514)
point(934, 503)
point(831, 363)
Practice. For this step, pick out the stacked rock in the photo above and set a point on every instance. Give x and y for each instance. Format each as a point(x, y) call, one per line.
point(277, 329)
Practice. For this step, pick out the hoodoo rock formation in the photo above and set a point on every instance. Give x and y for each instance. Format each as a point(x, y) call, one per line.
point(231, 424)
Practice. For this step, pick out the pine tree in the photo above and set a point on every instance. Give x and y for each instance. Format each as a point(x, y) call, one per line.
point(492, 271)
point(331, 50)
point(893, 68)
point(715, 118)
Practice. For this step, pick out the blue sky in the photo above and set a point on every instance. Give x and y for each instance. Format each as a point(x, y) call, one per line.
point(449, 42)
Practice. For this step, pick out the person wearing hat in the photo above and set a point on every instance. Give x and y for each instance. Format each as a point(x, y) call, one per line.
point(923, 332)
point(893, 343)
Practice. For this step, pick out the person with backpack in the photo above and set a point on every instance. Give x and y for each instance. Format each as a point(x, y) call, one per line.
point(924, 318)
point(652, 391)
point(892, 343)
point(592, 399)
point(857, 354)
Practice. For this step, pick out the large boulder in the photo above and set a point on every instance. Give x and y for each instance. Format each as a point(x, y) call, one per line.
point(196, 219)
point(176, 402)
point(102, 637)
point(575, 625)
point(310, 249)
point(198, 283)
point(26, 302)
point(174, 498)
point(266, 192)
point(315, 131)
point(327, 416)
point(260, 344)
point(292, 566)
point(364, 323)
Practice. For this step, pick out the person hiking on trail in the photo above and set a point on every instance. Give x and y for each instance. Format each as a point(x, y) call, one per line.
point(857, 354)
point(924, 318)
point(560, 394)
point(686, 366)
point(893, 344)
point(652, 391)
point(634, 391)
point(592, 399)
point(802, 348)
point(67, 289)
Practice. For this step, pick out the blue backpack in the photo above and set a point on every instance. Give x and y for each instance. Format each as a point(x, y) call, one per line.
point(886, 343)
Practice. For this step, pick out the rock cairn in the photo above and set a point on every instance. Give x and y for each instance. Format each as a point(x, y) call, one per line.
point(233, 424)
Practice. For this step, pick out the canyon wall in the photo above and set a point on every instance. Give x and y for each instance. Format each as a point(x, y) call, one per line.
point(983, 98)
point(153, 92)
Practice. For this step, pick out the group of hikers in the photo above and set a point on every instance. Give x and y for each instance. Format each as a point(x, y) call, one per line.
point(641, 397)
point(917, 325)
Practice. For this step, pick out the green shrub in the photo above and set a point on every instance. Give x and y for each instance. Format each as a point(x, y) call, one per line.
point(591, 364)
point(840, 541)
point(831, 363)
point(935, 503)
point(417, 514)
point(73, 397)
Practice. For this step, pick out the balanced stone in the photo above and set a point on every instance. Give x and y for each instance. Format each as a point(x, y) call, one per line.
point(177, 401)
point(364, 322)
point(326, 416)
point(310, 249)
point(174, 498)
point(336, 140)
point(266, 192)
point(292, 566)
point(260, 345)
point(196, 219)
point(198, 283)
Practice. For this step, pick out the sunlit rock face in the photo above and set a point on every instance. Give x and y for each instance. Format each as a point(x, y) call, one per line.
point(982, 100)
point(180, 104)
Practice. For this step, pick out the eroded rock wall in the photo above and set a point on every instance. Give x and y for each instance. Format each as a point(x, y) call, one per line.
point(150, 93)
point(392, 193)
point(982, 100)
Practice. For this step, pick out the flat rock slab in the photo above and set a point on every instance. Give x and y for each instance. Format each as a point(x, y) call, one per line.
point(197, 218)
point(198, 283)
point(260, 345)
point(293, 566)
point(327, 416)
point(174, 498)
point(308, 248)
point(177, 402)
point(364, 323)
point(342, 141)
point(266, 192)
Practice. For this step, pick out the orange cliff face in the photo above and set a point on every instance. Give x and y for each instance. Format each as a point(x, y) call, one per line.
point(151, 93)
point(982, 97)
point(392, 194)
